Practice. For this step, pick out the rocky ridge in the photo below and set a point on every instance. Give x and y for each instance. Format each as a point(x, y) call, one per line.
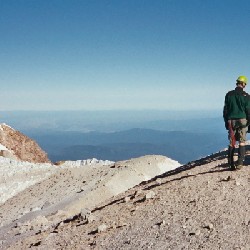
point(17, 146)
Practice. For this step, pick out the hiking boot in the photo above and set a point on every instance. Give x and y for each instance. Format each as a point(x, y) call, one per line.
point(233, 167)
point(238, 167)
point(241, 156)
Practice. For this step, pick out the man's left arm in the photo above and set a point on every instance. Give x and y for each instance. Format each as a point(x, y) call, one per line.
point(225, 113)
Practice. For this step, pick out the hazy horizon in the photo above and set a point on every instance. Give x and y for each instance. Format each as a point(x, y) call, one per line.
point(113, 120)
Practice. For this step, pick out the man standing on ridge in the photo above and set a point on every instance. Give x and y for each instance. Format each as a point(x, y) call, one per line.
point(236, 114)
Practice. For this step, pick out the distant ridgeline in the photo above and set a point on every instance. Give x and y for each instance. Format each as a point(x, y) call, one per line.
point(180, 135)
point(178, 145)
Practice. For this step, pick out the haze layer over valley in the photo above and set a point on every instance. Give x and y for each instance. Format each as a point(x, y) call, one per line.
point(119, 135)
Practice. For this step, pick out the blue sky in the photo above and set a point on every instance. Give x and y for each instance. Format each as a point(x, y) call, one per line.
point(121, 54)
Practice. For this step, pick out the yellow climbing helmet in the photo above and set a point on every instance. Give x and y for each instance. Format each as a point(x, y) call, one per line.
point(242, 79)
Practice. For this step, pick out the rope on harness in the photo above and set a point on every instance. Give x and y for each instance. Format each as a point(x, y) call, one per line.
point(231, 133)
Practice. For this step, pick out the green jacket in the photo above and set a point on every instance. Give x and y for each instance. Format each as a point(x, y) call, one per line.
point(237, 105)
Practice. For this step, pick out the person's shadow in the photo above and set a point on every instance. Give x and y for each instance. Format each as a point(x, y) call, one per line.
point(247, 158)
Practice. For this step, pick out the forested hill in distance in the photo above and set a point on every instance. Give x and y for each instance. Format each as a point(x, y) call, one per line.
point(178, 145)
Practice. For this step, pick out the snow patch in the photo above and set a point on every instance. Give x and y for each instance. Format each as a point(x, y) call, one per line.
point(2, 147)
point(168, 165)
point(5, 125)
point(15, 176)
point(88, 162)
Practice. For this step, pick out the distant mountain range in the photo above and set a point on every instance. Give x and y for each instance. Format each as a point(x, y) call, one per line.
point(119, 135)
point(178, 145)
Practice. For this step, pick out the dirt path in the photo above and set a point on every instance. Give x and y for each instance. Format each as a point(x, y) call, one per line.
point(60, 193)
point(201, 205)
